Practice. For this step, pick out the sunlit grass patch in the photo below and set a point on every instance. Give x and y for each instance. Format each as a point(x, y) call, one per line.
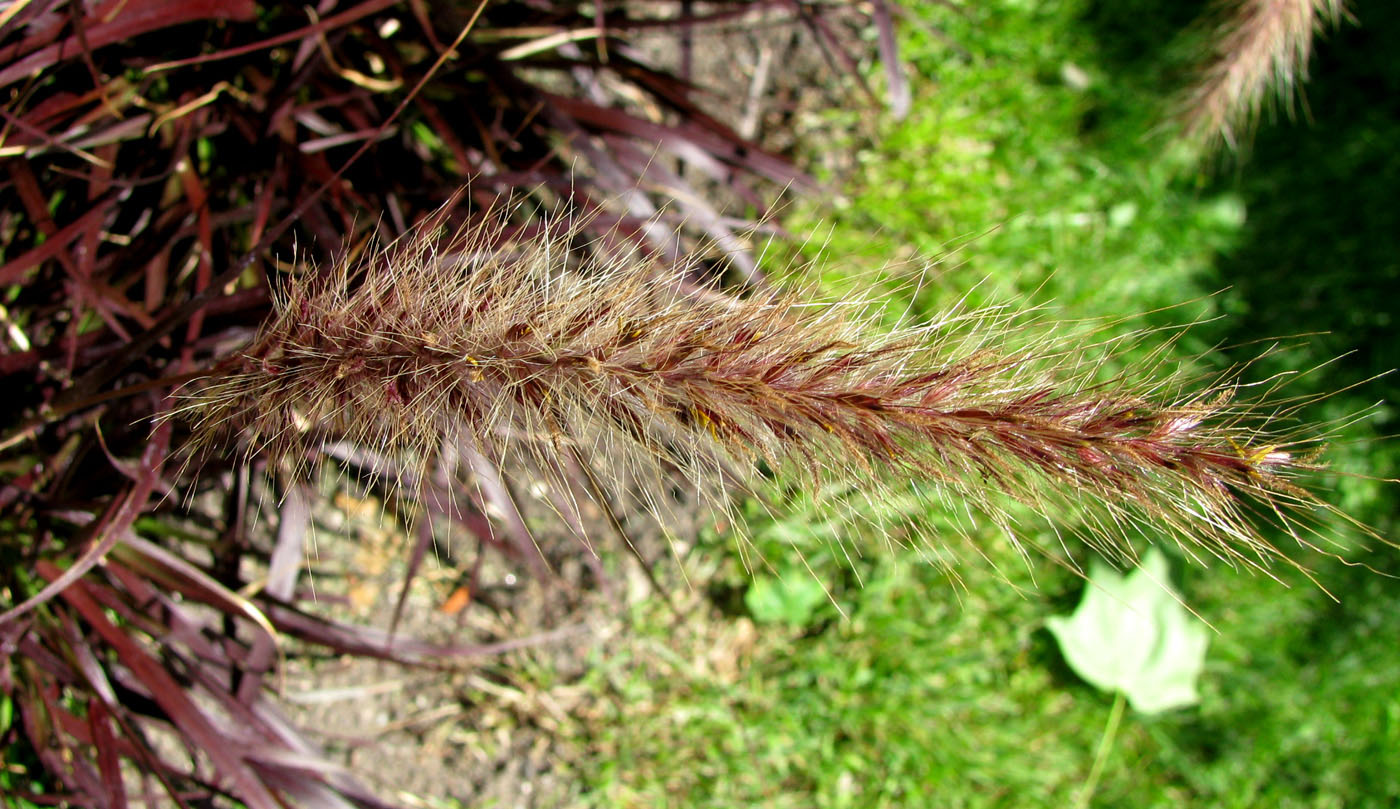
point(1031, 168)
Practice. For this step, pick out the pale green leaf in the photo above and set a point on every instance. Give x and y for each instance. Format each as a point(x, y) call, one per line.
point(1132, 634)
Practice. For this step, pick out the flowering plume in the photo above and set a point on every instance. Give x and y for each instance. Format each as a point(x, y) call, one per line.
point(1261, 49)
point(560, 355)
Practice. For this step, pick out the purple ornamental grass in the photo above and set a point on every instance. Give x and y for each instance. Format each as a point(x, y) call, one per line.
point(548, 355)
point(582, 363)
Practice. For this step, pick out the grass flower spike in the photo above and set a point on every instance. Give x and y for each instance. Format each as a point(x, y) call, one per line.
point(547, 354)
point(1262, 50)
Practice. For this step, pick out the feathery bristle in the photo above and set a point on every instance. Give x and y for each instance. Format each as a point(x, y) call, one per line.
point(546, 352)
point(1261, 51)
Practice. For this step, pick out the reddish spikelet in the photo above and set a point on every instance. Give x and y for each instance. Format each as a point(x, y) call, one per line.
point(1261, 51)
point(550, 354)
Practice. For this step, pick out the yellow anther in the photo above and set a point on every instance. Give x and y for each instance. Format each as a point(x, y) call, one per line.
point(1260, 456)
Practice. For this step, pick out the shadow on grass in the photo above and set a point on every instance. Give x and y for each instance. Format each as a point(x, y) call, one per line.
point(1309, 688)
point(1320, 255)
point(1320, 250)
point(1322, 241)
point(1312, 702)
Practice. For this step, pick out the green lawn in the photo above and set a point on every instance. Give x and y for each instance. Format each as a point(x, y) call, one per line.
point(1035, 161)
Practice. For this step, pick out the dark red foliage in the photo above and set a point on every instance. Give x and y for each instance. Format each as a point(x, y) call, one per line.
point(163, 163)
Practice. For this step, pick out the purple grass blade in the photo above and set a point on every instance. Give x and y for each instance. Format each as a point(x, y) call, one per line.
point(107, 530)
point(377, 643)
point(134, 19)
point(900, 96)
point(173, 699)
point(493, 489)
point(108, 762)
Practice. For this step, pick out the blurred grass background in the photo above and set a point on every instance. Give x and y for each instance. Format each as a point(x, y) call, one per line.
point(1036, 161)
